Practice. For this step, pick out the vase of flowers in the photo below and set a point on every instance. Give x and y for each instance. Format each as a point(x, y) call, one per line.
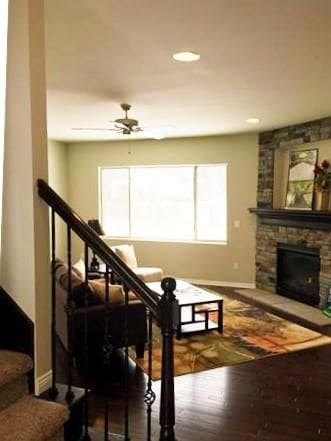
point(322, 184)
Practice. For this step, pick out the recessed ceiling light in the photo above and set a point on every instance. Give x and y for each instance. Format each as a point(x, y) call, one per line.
point(186, 56)
point(252, 120)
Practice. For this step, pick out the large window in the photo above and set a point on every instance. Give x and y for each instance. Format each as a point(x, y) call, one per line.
point(185, 203)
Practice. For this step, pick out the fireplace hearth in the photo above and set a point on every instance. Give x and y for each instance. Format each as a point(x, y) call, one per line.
point(298, 270)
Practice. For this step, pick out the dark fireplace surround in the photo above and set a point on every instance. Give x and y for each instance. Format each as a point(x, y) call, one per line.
point(300, 236)
point(298, 270)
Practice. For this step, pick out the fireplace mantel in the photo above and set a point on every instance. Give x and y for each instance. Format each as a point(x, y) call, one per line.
point(317, 220)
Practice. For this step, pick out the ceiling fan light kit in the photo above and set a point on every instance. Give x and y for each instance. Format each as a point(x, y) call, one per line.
point(126, 124)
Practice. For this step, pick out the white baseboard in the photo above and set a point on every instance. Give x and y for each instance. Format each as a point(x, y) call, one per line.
point(219, 283)
point(43, 383)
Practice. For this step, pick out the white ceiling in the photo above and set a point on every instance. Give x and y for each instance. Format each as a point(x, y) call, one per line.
point(259, 58)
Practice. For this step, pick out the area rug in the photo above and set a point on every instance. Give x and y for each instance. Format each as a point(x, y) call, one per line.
point(249, 333)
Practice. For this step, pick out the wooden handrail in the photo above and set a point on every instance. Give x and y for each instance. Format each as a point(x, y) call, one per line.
point(89, 236)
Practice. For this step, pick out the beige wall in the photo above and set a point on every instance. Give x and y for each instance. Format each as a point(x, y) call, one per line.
point(58, 180)
point(3, 67)
point(25, 246)
point(192, 261)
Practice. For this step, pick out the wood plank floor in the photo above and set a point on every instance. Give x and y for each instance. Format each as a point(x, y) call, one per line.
point(281, 398)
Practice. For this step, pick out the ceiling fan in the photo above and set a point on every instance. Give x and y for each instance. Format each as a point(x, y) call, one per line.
point(125, 125)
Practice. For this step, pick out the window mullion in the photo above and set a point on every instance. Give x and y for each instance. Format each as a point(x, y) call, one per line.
point(130, 215)
point(100, 195)
point(195, 208)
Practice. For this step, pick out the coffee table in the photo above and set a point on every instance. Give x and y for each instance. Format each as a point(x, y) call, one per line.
point(195, 306)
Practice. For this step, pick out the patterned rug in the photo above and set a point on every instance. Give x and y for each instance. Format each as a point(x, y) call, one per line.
point(249, 333)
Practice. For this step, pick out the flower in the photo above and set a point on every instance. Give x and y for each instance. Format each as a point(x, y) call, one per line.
point(322, 175)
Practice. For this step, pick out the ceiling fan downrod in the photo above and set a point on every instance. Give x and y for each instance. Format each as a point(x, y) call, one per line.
point(126, 107)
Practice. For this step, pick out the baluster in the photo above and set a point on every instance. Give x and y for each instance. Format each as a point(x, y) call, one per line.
point(126, 364)
point(149, 396)
point(86, 436)
point(169, 311)
point(54, 391)
point(70, 309)
point(107, 352)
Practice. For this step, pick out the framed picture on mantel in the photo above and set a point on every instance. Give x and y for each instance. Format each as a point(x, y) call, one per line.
point(300, 184)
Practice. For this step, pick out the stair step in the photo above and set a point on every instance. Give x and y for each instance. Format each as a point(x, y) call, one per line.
point(32, 419)
point(13, 379)
point(12, 365)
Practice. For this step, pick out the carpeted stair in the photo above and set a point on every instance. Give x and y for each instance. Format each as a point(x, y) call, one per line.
point(22, 416)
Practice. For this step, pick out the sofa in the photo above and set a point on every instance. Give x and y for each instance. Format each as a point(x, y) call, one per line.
point(90, 300)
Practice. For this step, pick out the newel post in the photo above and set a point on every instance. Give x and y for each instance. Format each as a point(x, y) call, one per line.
point(169, 316)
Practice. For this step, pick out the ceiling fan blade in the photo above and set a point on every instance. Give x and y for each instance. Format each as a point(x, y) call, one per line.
point(94, 128)
point(165, 127)
point(119, 125)
point(158, 132)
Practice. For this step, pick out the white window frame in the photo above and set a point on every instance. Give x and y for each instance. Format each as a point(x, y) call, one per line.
point(147, 239)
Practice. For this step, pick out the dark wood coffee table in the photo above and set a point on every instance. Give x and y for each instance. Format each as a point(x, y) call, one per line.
point(195, 306)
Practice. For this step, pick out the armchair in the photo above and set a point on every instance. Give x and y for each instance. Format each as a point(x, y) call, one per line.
point(146, 274)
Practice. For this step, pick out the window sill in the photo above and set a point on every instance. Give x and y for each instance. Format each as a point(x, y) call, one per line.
point(181, 241)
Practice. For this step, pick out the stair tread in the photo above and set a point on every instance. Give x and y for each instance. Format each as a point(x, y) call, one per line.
point(31, 419)
point(12, 365)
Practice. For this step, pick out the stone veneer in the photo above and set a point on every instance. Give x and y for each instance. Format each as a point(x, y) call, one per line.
point(267, 236)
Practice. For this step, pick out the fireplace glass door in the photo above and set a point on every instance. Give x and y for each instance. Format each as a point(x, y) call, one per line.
point(298, 270)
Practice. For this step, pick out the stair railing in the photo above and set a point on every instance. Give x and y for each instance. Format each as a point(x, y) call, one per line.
point(161, 309)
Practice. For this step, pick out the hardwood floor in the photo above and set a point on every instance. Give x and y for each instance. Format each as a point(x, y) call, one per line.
point(281, 398)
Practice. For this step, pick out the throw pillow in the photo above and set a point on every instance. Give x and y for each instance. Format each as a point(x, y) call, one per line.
point(98, 287)
point(79, 267)
point(79, 290)
point(127, 254)
point(61, 275)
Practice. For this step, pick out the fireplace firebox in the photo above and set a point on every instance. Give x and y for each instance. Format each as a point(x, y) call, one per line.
point(298, 270)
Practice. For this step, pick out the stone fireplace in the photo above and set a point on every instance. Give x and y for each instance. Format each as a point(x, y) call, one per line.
point(280, 228)
point(267, 239)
